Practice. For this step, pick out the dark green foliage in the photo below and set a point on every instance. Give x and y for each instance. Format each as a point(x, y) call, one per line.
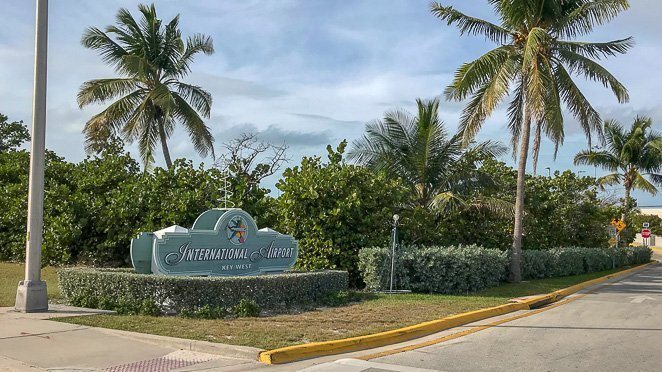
point(12, 135)
point(92, 209)
point(575, 261)
point(434, 269)
point(247, 309)
point(636, 222)
point(196, 296)
point(465, 269)
point(562, 210)
point(335, 209)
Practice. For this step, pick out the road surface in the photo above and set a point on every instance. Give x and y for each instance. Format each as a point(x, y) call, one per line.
point(615, 327)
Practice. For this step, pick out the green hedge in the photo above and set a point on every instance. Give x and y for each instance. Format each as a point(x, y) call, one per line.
point(471, 268)
point(434, 269)
point(576, 260)
point(127, 291)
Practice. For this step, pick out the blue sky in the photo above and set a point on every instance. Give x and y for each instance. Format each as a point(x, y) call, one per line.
point(308, 73)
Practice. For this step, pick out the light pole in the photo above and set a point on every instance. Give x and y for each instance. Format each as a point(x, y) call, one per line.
point(549, 171)
point(394, 244)
point(31, 294)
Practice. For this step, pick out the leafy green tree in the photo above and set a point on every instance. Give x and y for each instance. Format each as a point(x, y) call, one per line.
point(562, 210)
point(440, 169)
point(631, 156)
point(334, 209)
point(636, 223)
point(565, 211)
point(12, 135)
point(533, 65)
point(150, 98)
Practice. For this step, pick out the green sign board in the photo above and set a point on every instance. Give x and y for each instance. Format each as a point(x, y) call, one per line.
point(222, 242)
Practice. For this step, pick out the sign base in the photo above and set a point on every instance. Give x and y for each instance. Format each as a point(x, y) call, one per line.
point(31, 297)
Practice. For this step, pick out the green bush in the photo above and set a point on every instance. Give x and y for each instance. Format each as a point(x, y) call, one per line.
point(125, 291)
point(334, 209)
point(576, 260)
point(247, 309)
point(471, 268)
point(434, 269)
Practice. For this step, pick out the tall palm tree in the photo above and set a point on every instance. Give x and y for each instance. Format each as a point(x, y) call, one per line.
point(533, 67)
point(631, 156)
point(149, 97)
point(440, 168)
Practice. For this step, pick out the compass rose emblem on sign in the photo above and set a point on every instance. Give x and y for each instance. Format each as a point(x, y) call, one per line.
point(236, 230)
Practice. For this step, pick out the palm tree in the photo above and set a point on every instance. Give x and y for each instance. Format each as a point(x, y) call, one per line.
point(631, 156)
point(440, 169)
point(149, 97)
point(533, 67)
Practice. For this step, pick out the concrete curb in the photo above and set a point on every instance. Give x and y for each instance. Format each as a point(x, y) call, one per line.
point(225, 350)
point(318, 349)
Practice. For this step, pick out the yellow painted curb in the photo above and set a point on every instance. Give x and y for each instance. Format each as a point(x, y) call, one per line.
point(318, 349)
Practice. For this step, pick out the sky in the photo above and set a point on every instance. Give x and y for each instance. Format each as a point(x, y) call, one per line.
point(310, 72)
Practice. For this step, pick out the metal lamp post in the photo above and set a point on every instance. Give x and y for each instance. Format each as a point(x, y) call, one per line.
point(31, 294)
point(394, 243)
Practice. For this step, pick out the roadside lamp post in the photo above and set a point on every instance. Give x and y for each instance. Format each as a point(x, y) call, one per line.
point(394, 243)
point(549, 171)
point(31, 295)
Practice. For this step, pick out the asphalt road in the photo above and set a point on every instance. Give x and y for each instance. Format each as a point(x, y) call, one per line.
point(615, 327)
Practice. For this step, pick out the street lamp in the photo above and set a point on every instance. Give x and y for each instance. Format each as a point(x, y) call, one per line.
point(394, 243)
point(31, 295)
point(549, 171)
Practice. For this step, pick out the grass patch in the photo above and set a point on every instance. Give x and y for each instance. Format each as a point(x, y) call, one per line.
point(375, 313)
point(12, 273)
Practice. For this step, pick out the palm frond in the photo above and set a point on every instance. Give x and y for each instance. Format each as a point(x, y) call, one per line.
point(641, 183)
point(497, 206)
point(610, 179)
point(471, 76)
point(199, 98)
point(486, 99)
point(101, 90)
point(471, 25)
point(198, 43)
point(592, 70)
point(578, 105)
point(590, 14)
point(201, 137)
point(111, 52)
point(598, 50)
point(602, 159)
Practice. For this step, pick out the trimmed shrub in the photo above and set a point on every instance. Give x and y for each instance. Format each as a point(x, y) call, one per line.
point(538, 264)
point(576, 260)
point(434, 269)
point(471, 268)
point(129, 292)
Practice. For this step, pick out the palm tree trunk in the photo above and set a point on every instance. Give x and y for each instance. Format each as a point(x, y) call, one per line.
point(164, 145)
point(515, 275)
point(628, 204)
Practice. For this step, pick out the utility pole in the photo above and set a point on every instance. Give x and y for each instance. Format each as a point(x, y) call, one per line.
point(31, 295)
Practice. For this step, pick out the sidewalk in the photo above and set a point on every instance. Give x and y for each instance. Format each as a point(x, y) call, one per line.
point(31, 342)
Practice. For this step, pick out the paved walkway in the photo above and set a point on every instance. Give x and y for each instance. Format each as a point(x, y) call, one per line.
point(31, 342)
